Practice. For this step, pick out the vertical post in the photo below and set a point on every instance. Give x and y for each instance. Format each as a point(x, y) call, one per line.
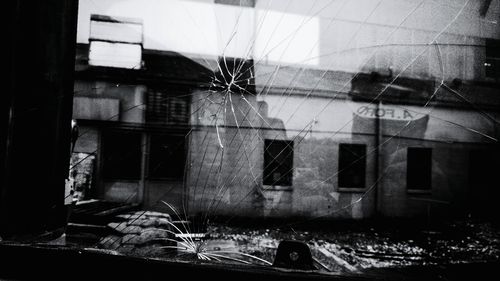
point(141, 191)
point(377, 160)
point(36, 116)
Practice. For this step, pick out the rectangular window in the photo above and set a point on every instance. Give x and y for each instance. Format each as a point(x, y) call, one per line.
point(278, 162)
point(238, 3)
point(483, 182)
point(121, 155)
point(167, 109)
point(492, 64)
point(352, 165)
point(166, 157)
point(419, 168)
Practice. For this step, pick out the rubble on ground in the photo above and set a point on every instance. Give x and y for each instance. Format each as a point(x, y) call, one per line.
point(142, 233)
point(147, 234)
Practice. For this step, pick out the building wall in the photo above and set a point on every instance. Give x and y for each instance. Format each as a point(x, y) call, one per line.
point(108, 101)
point(451, 133)
point(226, 162)
point(113, 103)
point(225, 156)
point(329, 43)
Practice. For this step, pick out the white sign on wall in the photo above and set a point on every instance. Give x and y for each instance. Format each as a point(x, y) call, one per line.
point(115, 42)
point(386, 112)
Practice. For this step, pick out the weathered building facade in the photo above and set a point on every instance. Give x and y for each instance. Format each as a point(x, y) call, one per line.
point(403, 124)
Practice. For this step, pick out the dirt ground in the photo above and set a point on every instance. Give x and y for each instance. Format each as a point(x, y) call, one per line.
point(347, 249)
point(376, 247)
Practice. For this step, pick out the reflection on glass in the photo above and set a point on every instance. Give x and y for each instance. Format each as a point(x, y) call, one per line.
point(214, 130)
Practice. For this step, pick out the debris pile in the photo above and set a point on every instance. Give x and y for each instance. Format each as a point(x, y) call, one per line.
point(152, 234)
point(140, 233)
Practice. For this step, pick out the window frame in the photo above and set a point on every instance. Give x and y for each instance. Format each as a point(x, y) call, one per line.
point(419, 172)
point(343, 170)
point(148, 172)
point(492, 60)
point(289, 146)
point(159, 104)
point(106, 176)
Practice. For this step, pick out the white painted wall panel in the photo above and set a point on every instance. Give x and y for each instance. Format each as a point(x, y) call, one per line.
point(116, 31)
point(115, 54)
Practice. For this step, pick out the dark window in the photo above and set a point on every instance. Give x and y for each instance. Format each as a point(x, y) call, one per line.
point(483, 190)
point(419, 168)
point(352, 165)
point(167, 110)
point(278, 162)
point(492, 65)
point(166, 157)
point(239, 3)
point(121, 154)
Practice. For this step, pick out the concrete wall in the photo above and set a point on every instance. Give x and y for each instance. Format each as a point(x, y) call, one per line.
point(297, 100)
point(451, 133)
point(225, 177)
point(226, 157)
point(106, 101)
point(231, 184)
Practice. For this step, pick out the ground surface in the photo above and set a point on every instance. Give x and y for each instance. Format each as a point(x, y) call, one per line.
point(353, 249)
